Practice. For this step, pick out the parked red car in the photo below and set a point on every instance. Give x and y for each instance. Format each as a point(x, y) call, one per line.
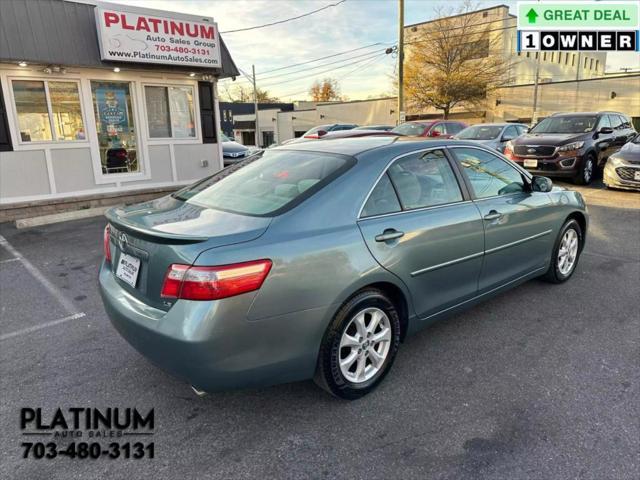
point(430, 128)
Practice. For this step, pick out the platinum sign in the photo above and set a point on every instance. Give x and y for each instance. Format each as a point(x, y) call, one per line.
point(131, 34)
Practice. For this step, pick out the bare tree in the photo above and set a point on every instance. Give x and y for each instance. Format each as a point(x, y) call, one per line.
point(454, 60)
point(325, 91)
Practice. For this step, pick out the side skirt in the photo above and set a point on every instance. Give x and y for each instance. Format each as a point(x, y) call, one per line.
point(420, 323)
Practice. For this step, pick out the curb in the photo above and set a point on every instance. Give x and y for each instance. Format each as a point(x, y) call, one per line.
point(61, 217)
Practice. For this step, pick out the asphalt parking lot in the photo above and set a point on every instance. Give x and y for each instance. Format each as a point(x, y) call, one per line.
point(539, 383)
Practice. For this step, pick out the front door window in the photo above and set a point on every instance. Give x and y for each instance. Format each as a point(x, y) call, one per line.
point(116, 127)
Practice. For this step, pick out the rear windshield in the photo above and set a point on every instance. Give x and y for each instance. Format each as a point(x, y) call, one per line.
point(566, 124)
point(409, 129)
point(267, 186)
point(480, 132)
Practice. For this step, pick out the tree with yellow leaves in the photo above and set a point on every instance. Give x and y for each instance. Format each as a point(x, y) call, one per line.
point(454, 60)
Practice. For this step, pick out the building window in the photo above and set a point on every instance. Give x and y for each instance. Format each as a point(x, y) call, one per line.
point(170, 112)
point(553, 56)
point(573, 59)
point(597, 63)
point(585, 62)
point(544, 57)
point(116, 127)
point(48, 111)
point(591, 64)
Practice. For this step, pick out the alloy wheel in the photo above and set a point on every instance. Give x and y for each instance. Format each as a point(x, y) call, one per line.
point(588, 170)
point(365, 345)
point(568, 251)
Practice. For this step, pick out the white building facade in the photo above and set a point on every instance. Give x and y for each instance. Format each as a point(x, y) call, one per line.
point(73, 124)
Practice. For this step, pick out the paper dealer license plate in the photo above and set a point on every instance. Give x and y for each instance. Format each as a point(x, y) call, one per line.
point(530, 163)
point(128, 268)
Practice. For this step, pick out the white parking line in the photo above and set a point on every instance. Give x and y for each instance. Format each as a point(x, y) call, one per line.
point(7, 260)
point(37, 274)
point(70, 308)
point(41, 326)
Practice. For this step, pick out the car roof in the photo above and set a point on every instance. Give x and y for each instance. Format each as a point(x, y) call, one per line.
point(577, 114)
point(497, 124)
point(358, 145)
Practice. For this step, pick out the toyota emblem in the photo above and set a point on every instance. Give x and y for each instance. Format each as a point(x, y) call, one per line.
point(122, 241)
point(531, 150)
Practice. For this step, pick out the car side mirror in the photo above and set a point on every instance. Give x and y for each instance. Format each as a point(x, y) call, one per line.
point(434, 133)
point(606, 130)
point(321, 133)
point(506, 138)
point(541, 184)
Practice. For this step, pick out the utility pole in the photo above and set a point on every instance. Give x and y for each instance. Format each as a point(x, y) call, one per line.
point(401, 114)
point(255, 104)
point(534, 115)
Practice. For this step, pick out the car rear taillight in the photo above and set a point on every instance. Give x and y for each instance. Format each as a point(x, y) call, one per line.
point(508, 152)
point(213, 283)
point(107, 243)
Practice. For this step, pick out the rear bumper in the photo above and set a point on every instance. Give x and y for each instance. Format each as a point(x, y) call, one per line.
point(212, 345)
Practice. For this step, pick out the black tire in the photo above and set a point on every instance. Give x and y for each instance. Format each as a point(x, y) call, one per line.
point(554, 275)
point(328, 374)
point(587, 171)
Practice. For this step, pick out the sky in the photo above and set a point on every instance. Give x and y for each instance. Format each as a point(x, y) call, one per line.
point(347, 26)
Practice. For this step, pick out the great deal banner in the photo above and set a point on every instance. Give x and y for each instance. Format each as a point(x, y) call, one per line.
point(131, 34)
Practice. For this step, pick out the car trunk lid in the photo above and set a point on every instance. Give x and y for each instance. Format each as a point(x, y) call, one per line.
point(166, 231)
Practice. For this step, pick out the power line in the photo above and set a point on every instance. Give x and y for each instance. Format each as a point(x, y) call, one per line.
point(324, 58)
point(316, 60)
point(322, 65)
point(286, 20)
point(360, 67)
point(321, 72)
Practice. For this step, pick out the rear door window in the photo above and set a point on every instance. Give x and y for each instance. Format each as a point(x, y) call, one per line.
point(272, 184)
point(383, 199)
point(425, 180)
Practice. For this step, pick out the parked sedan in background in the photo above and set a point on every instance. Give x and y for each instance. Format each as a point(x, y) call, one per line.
point(232, 151)
point(623, 168)
point(318, 259)
point(492, 135)
point(354, 133)
point(426, 128)
point(322, 130)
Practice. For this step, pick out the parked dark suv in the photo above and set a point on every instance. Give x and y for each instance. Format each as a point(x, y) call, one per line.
point(571, 144)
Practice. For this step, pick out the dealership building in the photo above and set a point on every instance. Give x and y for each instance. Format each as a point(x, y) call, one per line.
point(100, 100)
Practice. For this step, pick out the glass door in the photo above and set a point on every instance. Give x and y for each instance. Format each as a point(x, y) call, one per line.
point(116, 127)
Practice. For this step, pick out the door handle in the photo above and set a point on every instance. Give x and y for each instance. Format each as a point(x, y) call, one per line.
point(389, 234)
point(493, 215)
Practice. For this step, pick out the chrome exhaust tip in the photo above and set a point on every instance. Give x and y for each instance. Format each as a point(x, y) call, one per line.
point(200, 393)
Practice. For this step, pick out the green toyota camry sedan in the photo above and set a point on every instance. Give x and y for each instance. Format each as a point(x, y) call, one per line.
point(318, 259)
